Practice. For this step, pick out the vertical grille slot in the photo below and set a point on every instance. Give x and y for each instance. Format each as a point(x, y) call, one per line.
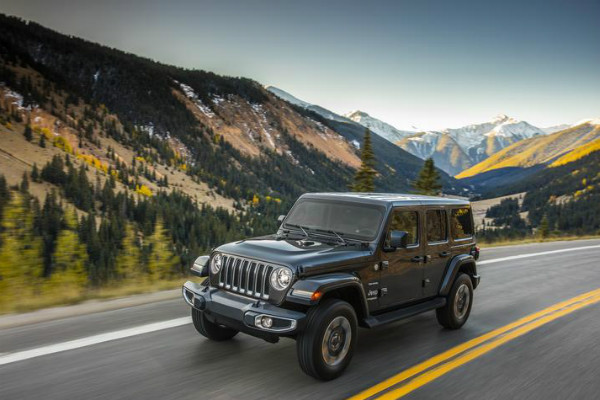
point(245, 276)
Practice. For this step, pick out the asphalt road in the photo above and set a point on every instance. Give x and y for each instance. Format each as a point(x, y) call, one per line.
point(560, 359)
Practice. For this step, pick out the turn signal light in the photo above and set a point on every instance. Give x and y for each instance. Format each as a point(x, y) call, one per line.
point(316, 296)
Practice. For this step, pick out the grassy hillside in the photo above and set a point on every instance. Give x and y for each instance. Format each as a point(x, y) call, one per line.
point(563, 200)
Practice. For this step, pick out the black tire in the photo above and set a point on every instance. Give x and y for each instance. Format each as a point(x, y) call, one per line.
point(209, 329)
point(454, 314)
point(336, 318)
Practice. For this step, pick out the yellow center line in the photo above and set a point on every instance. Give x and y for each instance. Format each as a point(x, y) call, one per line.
point(429, 376)
point(394, 380)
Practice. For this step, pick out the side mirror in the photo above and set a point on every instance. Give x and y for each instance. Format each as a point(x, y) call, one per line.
point(200, 267)
point(280, 219)
point(398, 239)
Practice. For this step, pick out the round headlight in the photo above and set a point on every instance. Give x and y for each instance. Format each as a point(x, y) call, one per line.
point(216, 263)
point(281, 278)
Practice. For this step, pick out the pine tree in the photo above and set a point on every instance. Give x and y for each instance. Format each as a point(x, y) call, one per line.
point(35, 173)
point(42, 141)
point(364, 180)
point(28, 133)
point(544, 227)
point(69, 261)
point(161, 260)
point(428, 182)
point(24, 187)
point(4, 192)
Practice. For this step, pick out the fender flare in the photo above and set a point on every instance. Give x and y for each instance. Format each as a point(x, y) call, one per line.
point(325, 284)
point(452, 271)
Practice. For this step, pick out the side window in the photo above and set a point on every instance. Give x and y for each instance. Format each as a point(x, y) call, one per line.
point(407, 221)
point(461, 223)
point(436, 225)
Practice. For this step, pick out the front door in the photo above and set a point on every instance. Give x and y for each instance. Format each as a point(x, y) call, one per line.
point(402, 269)
point(437, 250)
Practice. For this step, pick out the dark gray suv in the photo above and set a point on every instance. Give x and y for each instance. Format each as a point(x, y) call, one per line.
point(339, 261)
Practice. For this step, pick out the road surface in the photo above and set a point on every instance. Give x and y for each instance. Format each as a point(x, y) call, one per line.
point(153, 352)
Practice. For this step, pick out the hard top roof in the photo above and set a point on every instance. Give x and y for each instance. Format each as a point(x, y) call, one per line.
point(396, 199)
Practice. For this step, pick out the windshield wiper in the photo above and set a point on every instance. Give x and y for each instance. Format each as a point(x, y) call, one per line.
point(302, 228)
point(331, 231)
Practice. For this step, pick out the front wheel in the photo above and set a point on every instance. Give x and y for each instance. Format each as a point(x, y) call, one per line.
point(209, 329)
point(326, 345)
point(458, 304)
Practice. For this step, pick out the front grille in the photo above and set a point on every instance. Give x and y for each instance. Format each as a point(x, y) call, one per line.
point(245, 276)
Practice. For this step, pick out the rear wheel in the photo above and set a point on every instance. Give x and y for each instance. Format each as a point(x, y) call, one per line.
point(458, 304)
point(209, 329)
point(326, 345)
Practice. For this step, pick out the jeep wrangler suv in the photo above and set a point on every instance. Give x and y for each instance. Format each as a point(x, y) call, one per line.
point(339, 261)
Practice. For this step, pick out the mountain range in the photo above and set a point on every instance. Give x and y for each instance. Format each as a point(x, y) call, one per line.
point(453, 149)
point(523, 158)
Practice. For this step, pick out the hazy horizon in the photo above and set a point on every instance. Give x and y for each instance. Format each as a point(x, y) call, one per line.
point(429, 64)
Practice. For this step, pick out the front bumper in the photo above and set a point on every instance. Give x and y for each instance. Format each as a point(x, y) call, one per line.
point(242, 313)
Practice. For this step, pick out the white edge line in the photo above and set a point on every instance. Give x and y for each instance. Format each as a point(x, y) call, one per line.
point(497, 260)
point(8, 358)
point(91, 340)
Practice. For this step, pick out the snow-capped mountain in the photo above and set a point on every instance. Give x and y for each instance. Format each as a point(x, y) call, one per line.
point(381, 128)
point(452, 149)
point(455, 149)
point(555, 128)
point(445, 151)
point(591, 121)
point(282, 94)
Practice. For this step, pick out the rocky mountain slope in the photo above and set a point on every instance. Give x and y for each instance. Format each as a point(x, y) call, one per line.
point(389, 158)
point(230, 134)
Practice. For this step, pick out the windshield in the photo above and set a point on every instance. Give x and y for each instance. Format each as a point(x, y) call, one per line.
point(350, 220)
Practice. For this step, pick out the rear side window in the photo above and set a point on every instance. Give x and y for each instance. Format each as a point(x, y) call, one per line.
point(461, 223)
point(407, 221)
point(436, 225)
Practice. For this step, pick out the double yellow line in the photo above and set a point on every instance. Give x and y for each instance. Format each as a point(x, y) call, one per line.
point(431, 369)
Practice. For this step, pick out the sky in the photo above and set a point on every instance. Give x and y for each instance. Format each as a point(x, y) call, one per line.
point(432, 64)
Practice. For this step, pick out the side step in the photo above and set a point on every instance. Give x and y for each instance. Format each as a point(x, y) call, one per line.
point(402, 313)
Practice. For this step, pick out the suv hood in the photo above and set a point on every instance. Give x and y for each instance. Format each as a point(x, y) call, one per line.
point(304, 256)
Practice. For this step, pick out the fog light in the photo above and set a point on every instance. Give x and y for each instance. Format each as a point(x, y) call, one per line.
point(263, 321)
point(266, 322)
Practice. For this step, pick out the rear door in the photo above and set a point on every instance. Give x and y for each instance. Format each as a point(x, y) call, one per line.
point(437, 250)
point(402, 269)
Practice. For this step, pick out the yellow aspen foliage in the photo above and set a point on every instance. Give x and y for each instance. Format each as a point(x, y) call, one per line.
point(162, 262)
point(93, 161)
point(62, 144)
point(143, 190)
point(255, 200)
point(46, 132)
point(128, 260)
point(68, 277)
point(21, 260)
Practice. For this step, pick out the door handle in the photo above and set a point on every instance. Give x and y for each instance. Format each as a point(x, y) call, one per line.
point(444, 254)
point(417, 259)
